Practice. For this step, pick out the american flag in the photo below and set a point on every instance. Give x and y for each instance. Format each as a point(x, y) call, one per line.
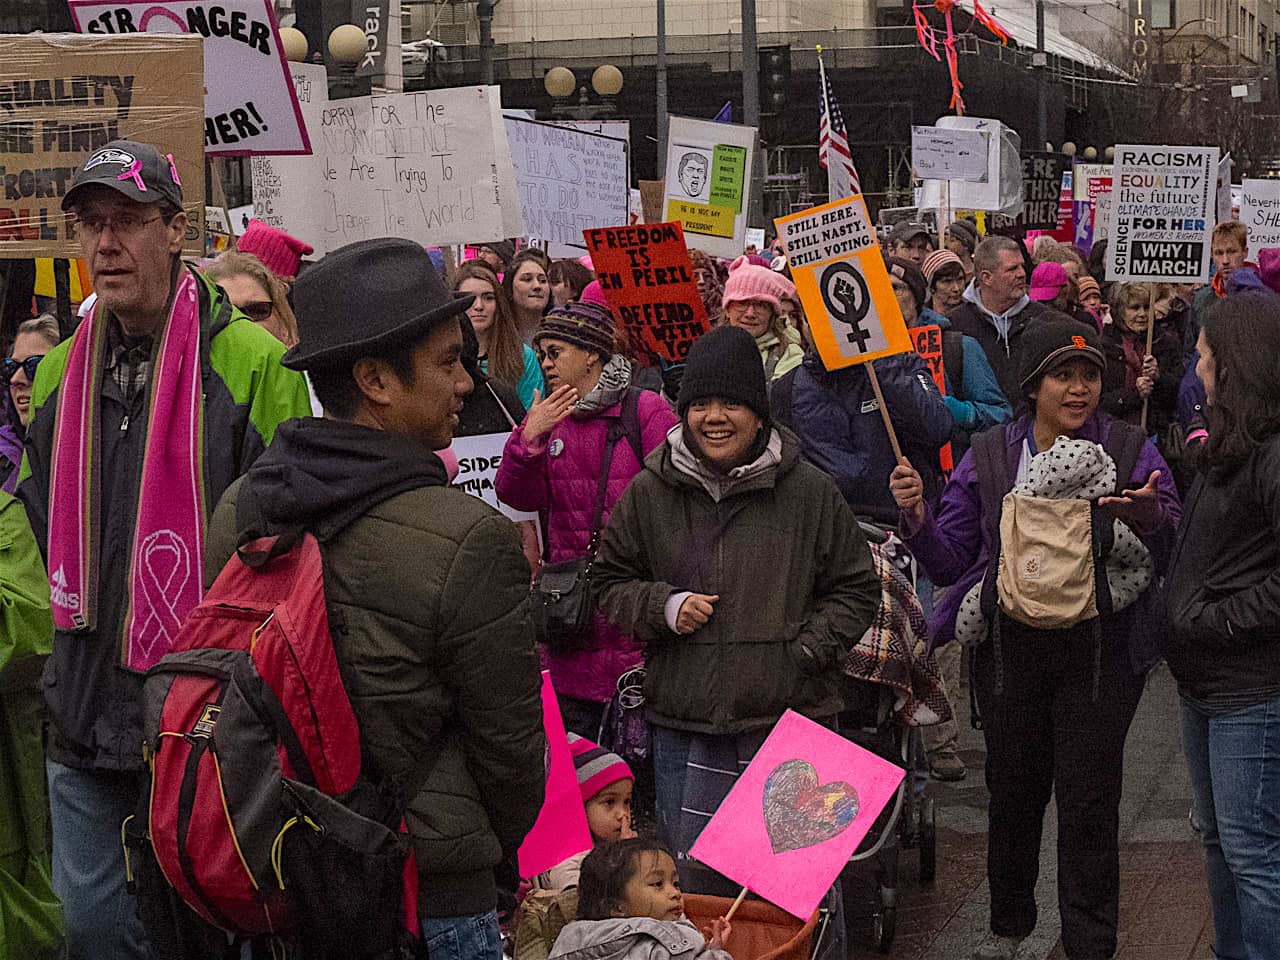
point(833, 144)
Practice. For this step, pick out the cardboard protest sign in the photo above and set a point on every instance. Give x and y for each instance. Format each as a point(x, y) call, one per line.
point(1162, 213)
point(72, 95)
point(1260, 213)
point(249, 106)
point(928, 343)
point(1000, 191)
point(647, 279)
point(708, 179)
point(841, 278)
point(478, 460)
point(796, 814)
point(568, 180)
point(561, 828)
point(1090, 181)
point(432, 166)
point(941, 154)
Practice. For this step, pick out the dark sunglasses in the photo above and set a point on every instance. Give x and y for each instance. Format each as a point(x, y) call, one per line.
point(27, 366)
point(258, 311)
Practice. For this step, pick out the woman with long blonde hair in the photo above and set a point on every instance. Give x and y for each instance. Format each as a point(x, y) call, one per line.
point(257, 292)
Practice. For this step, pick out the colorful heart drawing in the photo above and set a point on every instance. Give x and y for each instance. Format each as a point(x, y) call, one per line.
point(799, 812)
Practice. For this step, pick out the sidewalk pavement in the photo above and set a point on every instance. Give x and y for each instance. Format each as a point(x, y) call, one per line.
point(1164, 902)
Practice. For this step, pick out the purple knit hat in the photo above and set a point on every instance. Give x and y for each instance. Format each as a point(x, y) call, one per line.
point(584, 325)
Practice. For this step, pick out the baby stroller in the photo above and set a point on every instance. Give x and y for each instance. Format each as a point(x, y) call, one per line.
point(762, 931)
point(891, 689)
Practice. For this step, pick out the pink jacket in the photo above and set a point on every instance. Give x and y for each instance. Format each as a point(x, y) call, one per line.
point(563, 486)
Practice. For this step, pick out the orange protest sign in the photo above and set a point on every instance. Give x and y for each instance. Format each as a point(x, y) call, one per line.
point(647, 278)
point(842, 281)
point(928, 343)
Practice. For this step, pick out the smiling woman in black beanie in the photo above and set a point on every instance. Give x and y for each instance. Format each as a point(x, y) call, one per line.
point(745, 573)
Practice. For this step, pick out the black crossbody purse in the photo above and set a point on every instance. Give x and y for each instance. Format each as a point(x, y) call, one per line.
point(562, 601)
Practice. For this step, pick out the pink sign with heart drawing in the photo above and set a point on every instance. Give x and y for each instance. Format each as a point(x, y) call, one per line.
point(797, 814)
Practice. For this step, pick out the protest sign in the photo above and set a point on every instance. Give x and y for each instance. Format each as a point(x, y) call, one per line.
point(71, 96)
point(796, 814)
point(568, 181)
point(755, 238)
point(928, 343)
point(1162, 213)
point(708, 179)
point(1042, 190)
point(618, 129)
point(647, 279)
point(1260, 213)
point(285, 188)
point(248, 100)
point(1223, 203)
point(1091, 180)
point(561, 829)
point(841, 278)
point(1000, 191)
point(478, 460)
point(941, 154)
point(432, 166)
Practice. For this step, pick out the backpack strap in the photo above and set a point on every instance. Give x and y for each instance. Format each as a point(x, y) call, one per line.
point(953, 362)
point(629, 422)
point(782, 399)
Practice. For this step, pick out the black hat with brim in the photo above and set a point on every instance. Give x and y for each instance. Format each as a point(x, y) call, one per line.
point(365, 299)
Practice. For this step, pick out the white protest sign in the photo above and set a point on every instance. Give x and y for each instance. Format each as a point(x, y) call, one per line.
point(249, 107)
point(1162, 210)
point(1260, 213)
point(568, 181)
point(1223, 204)
point(938, 154)
point(478, 460)
point(1000, 191)
point(432, 166)
point(708, 181)
point(618, 129)
point(285, 189)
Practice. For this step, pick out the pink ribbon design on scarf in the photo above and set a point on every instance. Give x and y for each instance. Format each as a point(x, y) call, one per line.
point(134, 171)
point(165, 572)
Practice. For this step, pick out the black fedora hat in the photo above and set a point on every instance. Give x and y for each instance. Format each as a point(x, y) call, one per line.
point(364, 298)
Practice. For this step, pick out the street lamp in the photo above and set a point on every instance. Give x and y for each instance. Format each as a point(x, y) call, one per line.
point(1091, 153)
point(1069, 149)
point(347, 47)
point(294, 43)
point(606, 81)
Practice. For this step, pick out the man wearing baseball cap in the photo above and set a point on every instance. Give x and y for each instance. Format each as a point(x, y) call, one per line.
point(911, 241)
point(139, 421)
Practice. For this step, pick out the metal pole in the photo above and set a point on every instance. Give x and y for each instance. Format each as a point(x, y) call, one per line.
point(660, 82)
point(1042, 80)
point(484, 13)
point(751, 108)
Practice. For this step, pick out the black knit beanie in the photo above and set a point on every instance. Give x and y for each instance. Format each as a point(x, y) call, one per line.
point(725, 363)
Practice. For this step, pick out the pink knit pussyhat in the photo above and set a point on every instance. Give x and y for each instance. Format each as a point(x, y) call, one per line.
point(750, 282)
point(280, 252)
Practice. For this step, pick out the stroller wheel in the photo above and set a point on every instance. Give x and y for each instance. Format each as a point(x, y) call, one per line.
point(885, 928)
point(928, 843)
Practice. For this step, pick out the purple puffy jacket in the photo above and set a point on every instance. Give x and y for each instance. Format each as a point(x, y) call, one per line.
point(563, 486)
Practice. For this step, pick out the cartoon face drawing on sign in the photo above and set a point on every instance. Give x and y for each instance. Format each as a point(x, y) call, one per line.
point(692, 174)
point(848, 300)
point(800, 812)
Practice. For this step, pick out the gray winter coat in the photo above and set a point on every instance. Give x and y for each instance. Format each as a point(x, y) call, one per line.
point(633, 938)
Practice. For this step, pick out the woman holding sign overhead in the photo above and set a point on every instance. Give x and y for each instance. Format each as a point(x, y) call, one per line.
point(1057, 683)
point(571, 458)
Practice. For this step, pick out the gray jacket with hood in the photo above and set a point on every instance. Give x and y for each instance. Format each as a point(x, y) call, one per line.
point(633, 938)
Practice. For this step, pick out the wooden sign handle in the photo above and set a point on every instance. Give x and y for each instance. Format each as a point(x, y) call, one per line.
point(736, 904)
point(884, 412)
point(1151, 329)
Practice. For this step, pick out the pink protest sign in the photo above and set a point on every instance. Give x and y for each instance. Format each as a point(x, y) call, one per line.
point(796, 814)
point(561, 828)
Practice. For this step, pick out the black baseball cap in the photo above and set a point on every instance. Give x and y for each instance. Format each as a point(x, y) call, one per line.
point(137, 170)
point(1053, 339)
point(907, 230)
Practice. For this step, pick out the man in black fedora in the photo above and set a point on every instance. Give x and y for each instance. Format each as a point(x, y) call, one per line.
point(426, 587)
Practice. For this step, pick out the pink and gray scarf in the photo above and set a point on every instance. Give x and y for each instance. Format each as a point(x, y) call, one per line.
point(165, 567)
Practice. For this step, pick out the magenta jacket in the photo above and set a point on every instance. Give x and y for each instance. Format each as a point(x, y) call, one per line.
point(558, 476)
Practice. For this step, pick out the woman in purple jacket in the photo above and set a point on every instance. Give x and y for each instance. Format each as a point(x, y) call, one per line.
point(552, 464)
point(1056, 704)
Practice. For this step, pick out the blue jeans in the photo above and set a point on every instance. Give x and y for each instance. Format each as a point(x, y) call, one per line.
point(87, 808)
point(463, 938)
point(670, 754)
point(1234, 762)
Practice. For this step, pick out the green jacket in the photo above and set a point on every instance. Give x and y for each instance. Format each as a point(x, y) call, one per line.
point(30, 915)
point(95, 701)
point(427, 595)
point(793, 572)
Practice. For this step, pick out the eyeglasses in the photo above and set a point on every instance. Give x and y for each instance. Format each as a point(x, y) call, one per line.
point(121, 224)
point(258, 311)
point(550, 353)
point(27, 366)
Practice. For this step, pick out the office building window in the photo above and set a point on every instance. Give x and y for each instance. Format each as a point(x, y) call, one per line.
point(1161, 13)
